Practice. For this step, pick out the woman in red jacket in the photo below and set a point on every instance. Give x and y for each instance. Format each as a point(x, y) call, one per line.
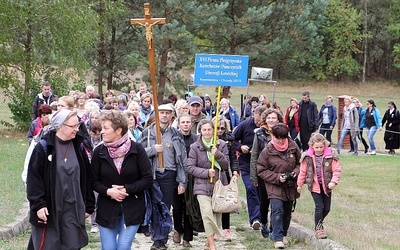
point(292, 120)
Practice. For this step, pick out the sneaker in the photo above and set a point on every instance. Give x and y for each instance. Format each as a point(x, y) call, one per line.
point(279, 245)
point(256, 225)
point(94, 230)
point(320, 234)
point(373, 152)
point(264, 231)
point(227, 235)
point(285, 240)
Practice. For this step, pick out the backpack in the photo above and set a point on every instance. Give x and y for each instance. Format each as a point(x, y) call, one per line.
point(161, 220)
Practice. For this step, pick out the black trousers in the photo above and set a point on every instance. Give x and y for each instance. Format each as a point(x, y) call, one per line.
point(264, 201)
point(181, 219)
point(322, 207)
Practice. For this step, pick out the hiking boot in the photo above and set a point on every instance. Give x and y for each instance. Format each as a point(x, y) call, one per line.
point(256, 225)
point(320, 234)
point(279, 245)
point(177, 237)
point(227, 235)
point(264, 231)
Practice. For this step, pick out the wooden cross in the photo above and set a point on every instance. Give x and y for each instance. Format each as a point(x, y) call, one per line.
point(148, 22)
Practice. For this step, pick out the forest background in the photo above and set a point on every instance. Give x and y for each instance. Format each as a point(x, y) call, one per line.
point(73, 43)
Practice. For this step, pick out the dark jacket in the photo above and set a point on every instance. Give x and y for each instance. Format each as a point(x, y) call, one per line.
point(233, 117)
point(312, 116)
point(39, 100)
point(244, 135)
point(261, 139)
point(135, 176)
point(229, 140)
point(272, 164)
point(199, 164)
point(41, 178)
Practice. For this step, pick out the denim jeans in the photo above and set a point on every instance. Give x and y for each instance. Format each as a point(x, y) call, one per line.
point(281, 214)
point(322, 206)
point(343, 135)
point(371, 133)
point(253, 202)
point(118, 238)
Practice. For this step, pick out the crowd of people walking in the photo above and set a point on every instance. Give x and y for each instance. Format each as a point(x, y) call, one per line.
point(101, 157)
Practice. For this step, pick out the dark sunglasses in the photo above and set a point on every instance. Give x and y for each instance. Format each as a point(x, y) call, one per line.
point(221, 128)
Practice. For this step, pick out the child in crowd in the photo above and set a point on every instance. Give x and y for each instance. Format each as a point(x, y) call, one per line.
point(320, 170)
point(95, 133)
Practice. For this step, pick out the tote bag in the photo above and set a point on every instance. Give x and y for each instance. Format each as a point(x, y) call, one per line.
point(225, 199)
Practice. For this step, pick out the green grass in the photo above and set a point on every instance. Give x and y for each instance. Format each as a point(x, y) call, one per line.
point(365, 206)
point(5, 113)
point(12, 189)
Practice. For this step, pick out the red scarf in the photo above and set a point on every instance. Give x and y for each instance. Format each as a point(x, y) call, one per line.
point(278, 146)
point(118, 149)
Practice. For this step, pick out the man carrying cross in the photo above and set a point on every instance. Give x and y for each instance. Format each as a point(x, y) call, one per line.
point(173, 149)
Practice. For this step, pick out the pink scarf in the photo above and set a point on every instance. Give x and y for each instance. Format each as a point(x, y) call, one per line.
point(38, 126)
point(118, 149)
point(278, 146)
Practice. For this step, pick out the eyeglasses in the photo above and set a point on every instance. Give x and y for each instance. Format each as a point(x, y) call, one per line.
point(221, 128)
point(73, 126)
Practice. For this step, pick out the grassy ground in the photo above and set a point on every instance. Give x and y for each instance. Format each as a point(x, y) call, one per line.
point(365, 205)
point(12, 189)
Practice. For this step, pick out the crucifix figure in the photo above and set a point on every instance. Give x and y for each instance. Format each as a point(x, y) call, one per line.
point(148, 23)
point(149, 33)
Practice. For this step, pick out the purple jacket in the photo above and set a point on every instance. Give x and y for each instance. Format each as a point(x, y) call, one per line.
point(199, 164)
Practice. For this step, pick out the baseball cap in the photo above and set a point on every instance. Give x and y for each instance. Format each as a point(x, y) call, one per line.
point(195, 99)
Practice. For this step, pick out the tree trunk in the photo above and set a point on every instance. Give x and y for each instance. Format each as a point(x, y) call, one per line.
point(111, 61)
point(101, 52)
point(28, 53)
point(364, 72)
